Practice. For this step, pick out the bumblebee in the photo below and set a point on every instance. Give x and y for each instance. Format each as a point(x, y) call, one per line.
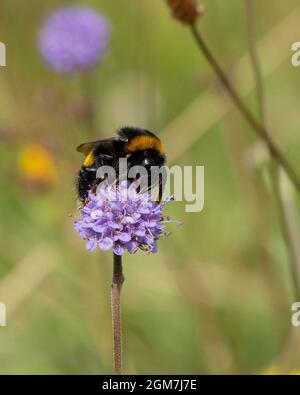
point(140, 147)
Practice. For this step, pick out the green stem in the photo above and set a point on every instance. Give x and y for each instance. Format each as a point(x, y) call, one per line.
point(256, 126)
point(116, 286)
point(88, 92)
point(286, 229)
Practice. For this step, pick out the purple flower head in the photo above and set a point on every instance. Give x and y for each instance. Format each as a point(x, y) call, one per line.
point(73, 38)
point(120, 218)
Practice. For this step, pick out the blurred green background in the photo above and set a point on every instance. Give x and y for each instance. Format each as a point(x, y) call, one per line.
point(217, 296)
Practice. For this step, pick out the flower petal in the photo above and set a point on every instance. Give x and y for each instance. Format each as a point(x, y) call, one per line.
point(91, 245)
point(132, 247)
point(98, 228)
point(95, 214)
point(124, 237)
point(118, 249)
point(114, 225)
point(105, 244)
point(140, 232)
point(154, 248)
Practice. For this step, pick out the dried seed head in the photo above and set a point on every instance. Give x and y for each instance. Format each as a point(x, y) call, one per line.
point(187, 11)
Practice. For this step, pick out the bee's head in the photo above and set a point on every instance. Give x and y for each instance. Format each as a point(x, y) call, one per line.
point(147, 158)
point(151, 160)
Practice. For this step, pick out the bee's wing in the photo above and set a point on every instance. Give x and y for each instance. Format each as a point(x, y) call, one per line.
point(86, 148)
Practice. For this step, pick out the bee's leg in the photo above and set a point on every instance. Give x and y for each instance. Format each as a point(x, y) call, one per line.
point(162, 183)
point(160, 189)
point(84, 183)
point(96, 182)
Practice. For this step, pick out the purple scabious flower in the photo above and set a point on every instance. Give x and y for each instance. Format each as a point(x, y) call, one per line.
point(117, 217)
point(73, 38)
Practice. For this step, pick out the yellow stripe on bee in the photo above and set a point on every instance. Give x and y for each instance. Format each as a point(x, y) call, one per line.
point(140, 143)
point(89, 160)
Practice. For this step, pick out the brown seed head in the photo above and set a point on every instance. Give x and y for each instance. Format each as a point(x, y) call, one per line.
point(187, 11)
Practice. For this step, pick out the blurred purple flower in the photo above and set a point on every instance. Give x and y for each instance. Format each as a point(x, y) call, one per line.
point(73, 38)
point(120, 218)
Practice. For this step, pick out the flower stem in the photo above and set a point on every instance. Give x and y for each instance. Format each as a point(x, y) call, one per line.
point(116, 286)
point(260, 96)
point(88, 92)
point(257, 127)
point(286, 228)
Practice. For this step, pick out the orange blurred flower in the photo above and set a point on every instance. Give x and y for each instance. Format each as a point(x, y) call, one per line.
point(36, 166)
